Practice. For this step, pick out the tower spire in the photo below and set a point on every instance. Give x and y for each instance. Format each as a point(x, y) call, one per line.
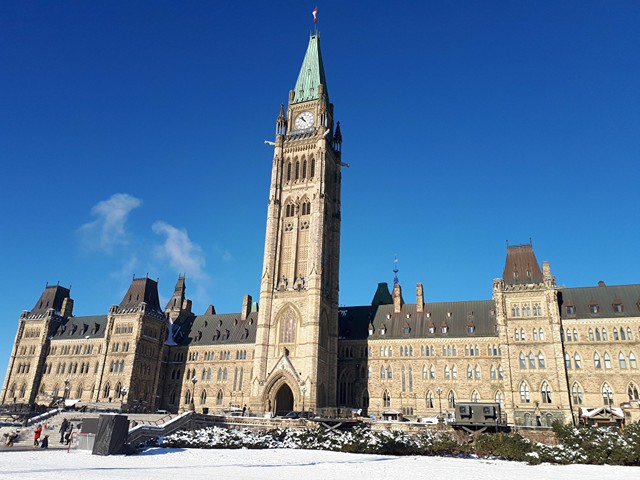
point(311, 74)
point(395, 271)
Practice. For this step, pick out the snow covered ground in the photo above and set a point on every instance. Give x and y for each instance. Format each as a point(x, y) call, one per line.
point(188, 464)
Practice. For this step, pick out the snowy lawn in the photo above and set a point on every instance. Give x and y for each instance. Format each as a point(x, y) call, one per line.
point(187, 464)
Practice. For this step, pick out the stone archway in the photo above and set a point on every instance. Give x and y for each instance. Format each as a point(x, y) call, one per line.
point(283, 403)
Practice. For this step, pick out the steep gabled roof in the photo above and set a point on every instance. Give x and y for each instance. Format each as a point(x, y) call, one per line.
point(311, 74)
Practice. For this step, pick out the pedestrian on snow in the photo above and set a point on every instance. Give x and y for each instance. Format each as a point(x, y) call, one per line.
point(244, 410)
point(36, 436)
point(63, 429)
point(67, 436)
point(45, 442)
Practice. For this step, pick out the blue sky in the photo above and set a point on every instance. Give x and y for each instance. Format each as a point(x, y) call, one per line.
point(131, 138)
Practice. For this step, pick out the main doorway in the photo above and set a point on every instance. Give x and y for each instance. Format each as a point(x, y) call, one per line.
point(284, 400)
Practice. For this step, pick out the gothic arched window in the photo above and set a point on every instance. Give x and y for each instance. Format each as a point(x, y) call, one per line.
point(288, 325)
point(576, 394)
point(525, 396)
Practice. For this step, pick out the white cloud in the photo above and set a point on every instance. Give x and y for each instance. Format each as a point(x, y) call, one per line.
point(183, 255)
point(108, 229)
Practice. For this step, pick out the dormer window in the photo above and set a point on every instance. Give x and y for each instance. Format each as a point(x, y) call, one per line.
point(371, 330)
point(617, 307)
point(382, 329)
point(406, 329)
point(594, 308)
point(432, 329)
point(470, 329)
point(571, 310)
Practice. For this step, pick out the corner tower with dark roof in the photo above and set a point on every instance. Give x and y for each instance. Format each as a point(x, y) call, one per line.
point(296, 341)
point(529, 326)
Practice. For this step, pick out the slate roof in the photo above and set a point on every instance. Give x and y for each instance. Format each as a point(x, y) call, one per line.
point(52, 297)
point(212, 329)
point(604, 297)
point(521, 266)
point(76, 328)
point(141, 290)
point(311, 73)
point(353, 322)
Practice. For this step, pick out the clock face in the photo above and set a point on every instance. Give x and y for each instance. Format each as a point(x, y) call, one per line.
point(304, 120)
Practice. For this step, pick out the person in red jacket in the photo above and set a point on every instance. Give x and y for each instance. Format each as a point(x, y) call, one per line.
point(36, 436)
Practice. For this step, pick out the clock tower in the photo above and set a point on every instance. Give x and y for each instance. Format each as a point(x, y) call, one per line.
point(295, 359)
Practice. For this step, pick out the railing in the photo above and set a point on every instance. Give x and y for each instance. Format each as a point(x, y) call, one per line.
point(44, 416)
point(144, 432)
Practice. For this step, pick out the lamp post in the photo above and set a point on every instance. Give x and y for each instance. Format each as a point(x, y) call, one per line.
point(66, 388)
point(123, 393)
point(194, 380)
point(439, 391)
point(303, 389)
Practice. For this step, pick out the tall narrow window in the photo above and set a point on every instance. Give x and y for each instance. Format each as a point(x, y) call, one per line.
point(525, 396)
point(622, 361)
point(596, 361)
point(607, 394)
point(576, 393)
point(540, 360)
point(545, 391)
point(607, 361)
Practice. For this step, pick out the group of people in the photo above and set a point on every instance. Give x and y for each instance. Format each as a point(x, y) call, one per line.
point(66, 429)
point(39, 440)
point(10, 438)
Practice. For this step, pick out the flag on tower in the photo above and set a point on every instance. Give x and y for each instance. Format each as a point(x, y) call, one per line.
point(315, 12)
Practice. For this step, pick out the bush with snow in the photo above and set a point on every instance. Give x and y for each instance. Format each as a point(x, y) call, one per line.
point(587, 445)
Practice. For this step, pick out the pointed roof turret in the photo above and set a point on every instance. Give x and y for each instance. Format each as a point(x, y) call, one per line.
point(178, 295)
point(311, 74)
point(142, 290)
point(521, 266)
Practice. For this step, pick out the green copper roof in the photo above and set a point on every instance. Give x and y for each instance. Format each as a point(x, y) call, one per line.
point(311, 74)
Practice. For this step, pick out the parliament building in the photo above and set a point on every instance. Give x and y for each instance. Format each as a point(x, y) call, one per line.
point(540, 350)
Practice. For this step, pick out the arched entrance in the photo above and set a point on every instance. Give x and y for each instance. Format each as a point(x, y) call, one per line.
point(283, 400)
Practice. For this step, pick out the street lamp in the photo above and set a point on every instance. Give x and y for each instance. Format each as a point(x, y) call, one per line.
point(194, 380)
point(304, 390)
point(123, 393)
point(66, 388)
point(439, 391)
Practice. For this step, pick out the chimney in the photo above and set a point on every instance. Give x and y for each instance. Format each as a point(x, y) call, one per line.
point(419, 298)
point(246, 307)
point(397, 298)
point(67, 307)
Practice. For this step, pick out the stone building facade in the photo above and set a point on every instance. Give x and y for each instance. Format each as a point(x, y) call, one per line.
point(540, 350)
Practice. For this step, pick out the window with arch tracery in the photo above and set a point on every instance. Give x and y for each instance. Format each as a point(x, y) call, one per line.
point(451, 399)
point(219, 397)
point(288, 324)
point(607, 394)
point(386, 399)
point(475, 396)
point(577, 394)
point(429, 399)
point(525, 394)
point(203, 397)
point(632, 391)
point(545, 392)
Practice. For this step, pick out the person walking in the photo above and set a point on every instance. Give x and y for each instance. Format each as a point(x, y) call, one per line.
point(67, 436)
point(36, 436)
point(45, 442)
point(63, 429)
